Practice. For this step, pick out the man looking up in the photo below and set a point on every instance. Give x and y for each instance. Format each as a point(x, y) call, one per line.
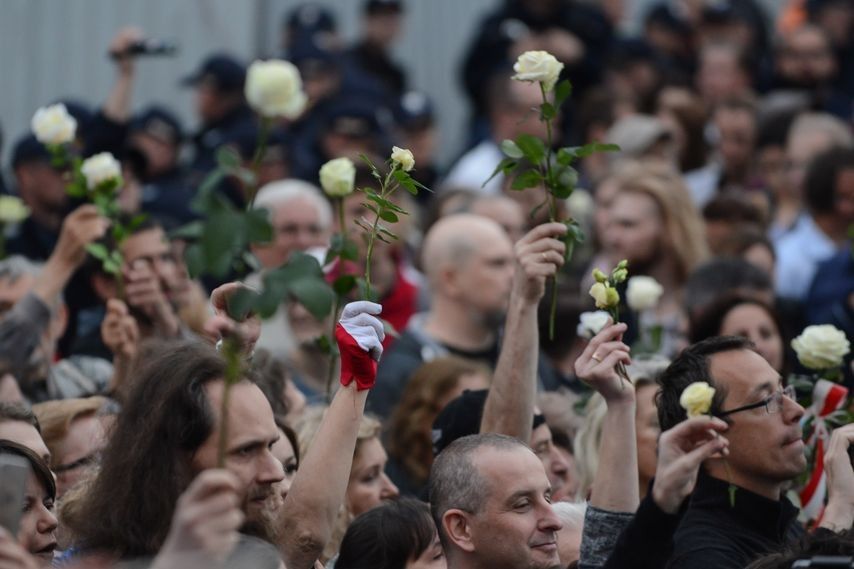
point(766, 452)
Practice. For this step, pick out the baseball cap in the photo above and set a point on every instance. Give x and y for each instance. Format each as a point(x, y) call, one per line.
point(635, 134)
point(309, 18)
point(461, 417)
point(158, 122)
point(27, 150)
point(225, 72)
point(356, 117)
point(373, 7)
point(415, 111)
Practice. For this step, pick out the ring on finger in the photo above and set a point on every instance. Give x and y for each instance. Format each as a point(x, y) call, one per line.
point(545, 258)
point(597, 358)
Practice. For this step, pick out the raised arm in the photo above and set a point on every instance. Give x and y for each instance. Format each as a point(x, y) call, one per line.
point(311, 507)
point(509, 407)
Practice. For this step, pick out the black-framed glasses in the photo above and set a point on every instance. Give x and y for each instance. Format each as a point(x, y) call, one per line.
point(773, 403)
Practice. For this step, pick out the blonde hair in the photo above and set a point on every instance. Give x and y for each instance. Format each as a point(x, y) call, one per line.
point(306, 428)
point(683, 224)
point(55, 418)
point(589, 437)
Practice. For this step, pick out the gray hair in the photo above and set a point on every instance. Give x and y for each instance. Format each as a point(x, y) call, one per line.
point(571, 514)
point(283, 191)
point(455, 482)
point(832, 127)
point(17, 266)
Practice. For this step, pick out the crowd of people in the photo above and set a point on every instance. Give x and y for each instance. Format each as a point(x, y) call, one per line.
point(460, 432)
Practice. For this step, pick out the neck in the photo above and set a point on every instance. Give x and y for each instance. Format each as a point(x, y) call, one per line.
point(767, 489)
point(831, 226)
point(452, 324)
point(47, 218)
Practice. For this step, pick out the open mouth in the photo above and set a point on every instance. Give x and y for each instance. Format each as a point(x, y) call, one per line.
point(47, 551)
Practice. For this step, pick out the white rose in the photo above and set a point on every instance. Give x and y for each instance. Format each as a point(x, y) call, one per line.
point(100, 169)
point(403, 157)
point(53, 125)
point(643, 293)
point(274, 89)
point(538, 66)
point(821, 347)
point(591, 323)
point(697, 398)
point(337, 177)
point(12, 209)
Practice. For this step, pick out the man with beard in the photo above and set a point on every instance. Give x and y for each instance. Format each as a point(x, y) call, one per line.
point(469, 263)
point(169, 433)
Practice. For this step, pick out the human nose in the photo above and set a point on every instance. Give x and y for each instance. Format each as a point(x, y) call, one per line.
point(47, 522)
point(270, 470)
point(549, 521)
point(389, 490)
point(792, 410)
point(559, 466)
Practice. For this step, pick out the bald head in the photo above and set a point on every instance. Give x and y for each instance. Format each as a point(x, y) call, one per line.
point(452, 240)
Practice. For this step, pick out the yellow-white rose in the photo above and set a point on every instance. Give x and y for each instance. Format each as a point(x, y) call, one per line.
point(591, 323)
point(403, 157)
point(12, 209)
point(538, 66)
point(604, 295)
point(821, 347)
point(53, 125)
point(100, 169)
point(697, 398)
point(643, 293)
point(337, 177)
point(274, 89)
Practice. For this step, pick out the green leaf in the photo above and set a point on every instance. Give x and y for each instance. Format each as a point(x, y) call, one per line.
point(565, 156)
point(505, 166)
point(241, 303)
point(547, 112)
point(511, 149)
point(405, 180)
point(98, 250)
point(192, 231)
point(527, 179)
point(228, 158)
point(593, 148)
point(564, 182)
point(389, 216)
point(222, 240)
point(258, 227)
point(532, 147)
point(562, 92)
point(314, 294)
point(344, 284)
point(194, 259)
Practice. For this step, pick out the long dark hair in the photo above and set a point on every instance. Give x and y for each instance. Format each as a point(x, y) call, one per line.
point(147, 463)
point(387, 536)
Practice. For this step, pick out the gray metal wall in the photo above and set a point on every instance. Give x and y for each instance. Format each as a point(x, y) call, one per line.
point(56, 48)
point(51, 49)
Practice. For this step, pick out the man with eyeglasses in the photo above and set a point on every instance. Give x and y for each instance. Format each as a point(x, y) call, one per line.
point(766, 453)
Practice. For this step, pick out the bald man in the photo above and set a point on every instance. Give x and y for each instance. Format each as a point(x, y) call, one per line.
point(469, 262)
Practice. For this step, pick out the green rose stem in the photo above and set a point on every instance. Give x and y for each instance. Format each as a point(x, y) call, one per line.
point(547, 174)
point(260, 149)
point(230, 345)
point(336, 307)
point(233, 369)
point(385, 192)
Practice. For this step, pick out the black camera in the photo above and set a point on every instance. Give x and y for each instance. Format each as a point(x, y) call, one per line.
point(150, 47)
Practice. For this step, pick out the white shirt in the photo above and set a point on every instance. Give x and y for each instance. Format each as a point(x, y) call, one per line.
point(474, 167)
point(799, 253)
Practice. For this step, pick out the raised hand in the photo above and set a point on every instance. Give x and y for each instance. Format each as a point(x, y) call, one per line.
point(360, 335)
point(221, 325)
point(539, 255)
point(681, 451)
point(597, 364)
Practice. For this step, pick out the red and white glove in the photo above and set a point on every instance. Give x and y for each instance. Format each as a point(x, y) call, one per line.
point(360, 341)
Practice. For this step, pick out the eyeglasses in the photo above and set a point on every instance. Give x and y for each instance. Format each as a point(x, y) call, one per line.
point(773, 403)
